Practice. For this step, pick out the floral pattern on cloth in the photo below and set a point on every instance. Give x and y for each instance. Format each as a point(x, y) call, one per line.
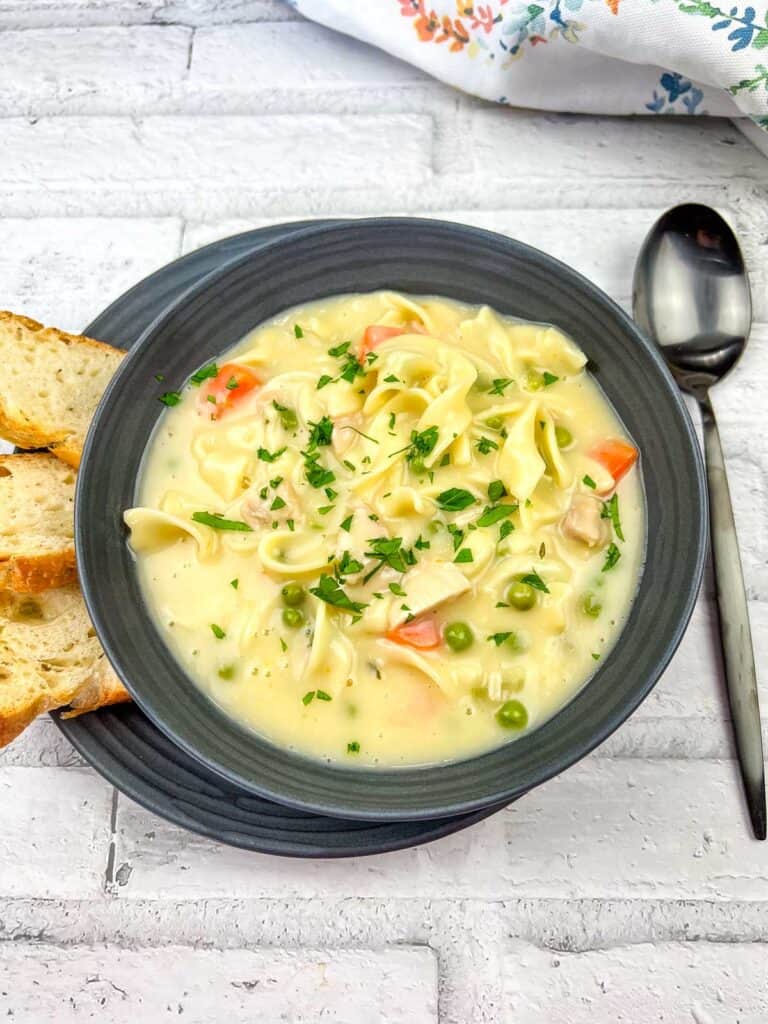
point(583, 56)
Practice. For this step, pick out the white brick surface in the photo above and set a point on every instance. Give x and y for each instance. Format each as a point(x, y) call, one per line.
point(47, 983)
point(54, 832)
point(679, 983)
point(626, 890)
point(64, 271)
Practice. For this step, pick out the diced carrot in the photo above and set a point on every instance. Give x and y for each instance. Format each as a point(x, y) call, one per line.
point(617, 456)
point(376, 334)
point(421, 633)
point(222, 392)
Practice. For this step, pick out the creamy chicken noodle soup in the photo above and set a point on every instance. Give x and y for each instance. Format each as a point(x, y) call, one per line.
point(390, 530)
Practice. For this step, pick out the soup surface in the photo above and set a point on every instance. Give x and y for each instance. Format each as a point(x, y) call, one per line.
point(390, 530)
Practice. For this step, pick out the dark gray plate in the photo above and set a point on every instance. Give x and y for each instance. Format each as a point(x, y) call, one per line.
point(417, 256)
point(131, 753)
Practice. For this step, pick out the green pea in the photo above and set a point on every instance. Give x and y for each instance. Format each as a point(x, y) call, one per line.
point(494, 422)
point(293, 594)
point(591, 606)
point(534, 381)
point(418, 467)
point(293, 617)
point(458, 636)
point(288, 419)
point(521, 596)
point(512, 715)
point(563, 436)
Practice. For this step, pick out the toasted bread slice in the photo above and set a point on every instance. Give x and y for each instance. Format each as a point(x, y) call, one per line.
point(37, 551)
point(50, 657)
point(50, 385)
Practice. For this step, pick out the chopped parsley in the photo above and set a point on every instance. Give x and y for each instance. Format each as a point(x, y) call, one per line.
point(328, 590)
point(494, 514)
point(534, 580)
point(496, 490)
point(421, 545)
point(421, 445)
point(486, 445)
point(278, 503)
point(325, 379)
point(499, 385)
point(320, 433)
point(159, 377)
point(317, 475)
point(211, 370)
point(446, 460)
point(389, 551)
point(465, 555)
point(217, 631)
point(308, 697)
point(455, 499)
point(397, 590)
point(548, 378)
point(232, 383)
point(612, 556)
point(392, 379)
point(322, 695)
point(506, 529)
point(288, 417)
point(351, 369)
point(234, 584)
point(218, 522)
point(586, 479)
point(596, 657)
point(170, 398)
point(611, 511)
point(298, 331)
point(348, 565)
point(211, 399)
point(500, 638)
point(353, 747)
point(283, 645)
point(339, 350)
point(267, 456)
point(457, 534)
point(347, 524)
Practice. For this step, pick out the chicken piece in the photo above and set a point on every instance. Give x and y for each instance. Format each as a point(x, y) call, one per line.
point(583, 522)
point(427, 586)
point(259, 512)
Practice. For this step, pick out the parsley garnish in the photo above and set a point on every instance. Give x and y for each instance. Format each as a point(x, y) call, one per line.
point(278, 503)
point(346, 525)
point(234, 584)
point(350, 369)
point(283, 645)
point(506, 529)
point(211, 370)
point(496, 490)
point(500, 638)
point(211, 399)
point(611, 511)
point(308, 697)
point(596, 657)
point(392, 379)
point(267, 456)
point(339, 350)
point(389, 551)
point(298, 331)
point(421, 444)
point(534, 580)
point(494, 514)
point(288, 417)
point(317, 475)
point(465, 555)
point(170, 398)
point(397, 590)
point(328, 590)
point(350, 465)
point(548, 378)
point(325, 379)
point(322, 695)
point(446, 460)
point(291, 524)
point(348, 565)
point(589, 482)
point(455, 499)
point(320, 433)
point(499, 384)
point(159, 377)
point(231, 384)
point(612, 556)
point(353, 747)
point(421, 545)
point(217, 631)
point(218, 522)
point(485, 445)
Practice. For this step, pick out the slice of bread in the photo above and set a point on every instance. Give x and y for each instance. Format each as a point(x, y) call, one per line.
point(50, 385)
point(37, 495)
point(50, 657)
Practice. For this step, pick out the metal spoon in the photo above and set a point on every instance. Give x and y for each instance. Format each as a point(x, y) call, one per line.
point(691, 296)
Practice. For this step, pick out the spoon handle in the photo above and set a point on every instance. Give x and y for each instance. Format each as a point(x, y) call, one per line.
point(735, 635)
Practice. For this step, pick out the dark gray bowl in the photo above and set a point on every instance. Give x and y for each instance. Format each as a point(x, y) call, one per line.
point(421, 257)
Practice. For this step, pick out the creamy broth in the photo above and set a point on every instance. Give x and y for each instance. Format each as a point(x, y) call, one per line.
point(386, 530)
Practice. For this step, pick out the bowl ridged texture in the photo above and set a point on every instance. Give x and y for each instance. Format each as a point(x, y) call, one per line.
point(422, 257)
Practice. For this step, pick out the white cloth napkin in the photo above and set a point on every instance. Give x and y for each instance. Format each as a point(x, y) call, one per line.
point(583, 56)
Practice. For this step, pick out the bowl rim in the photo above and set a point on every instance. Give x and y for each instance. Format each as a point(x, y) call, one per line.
point(563, 758)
